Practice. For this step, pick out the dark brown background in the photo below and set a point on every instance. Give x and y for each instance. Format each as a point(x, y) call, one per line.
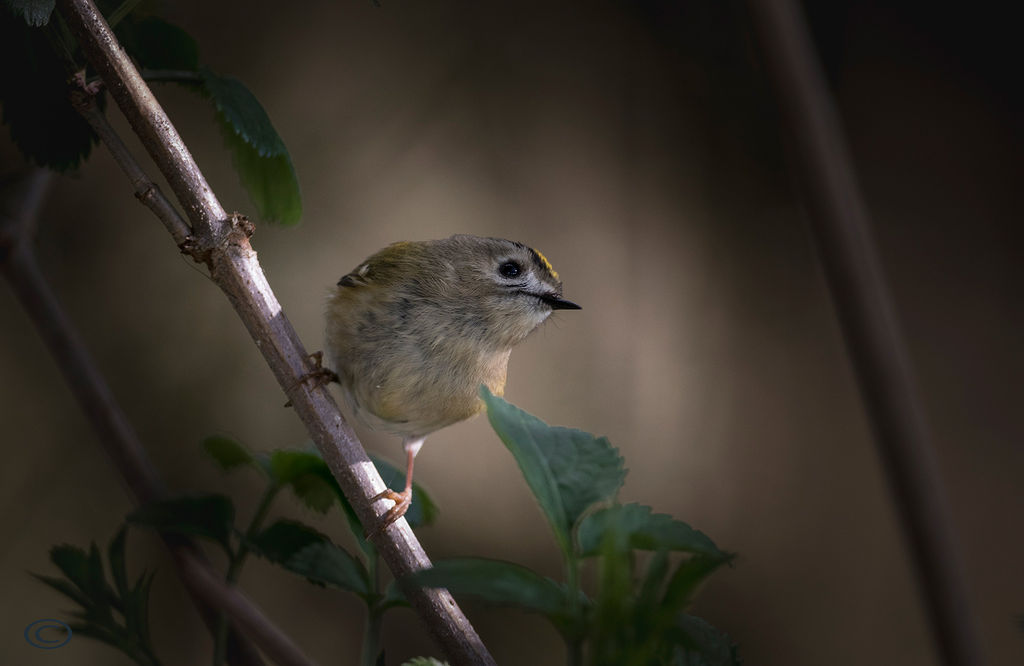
point(635, 145)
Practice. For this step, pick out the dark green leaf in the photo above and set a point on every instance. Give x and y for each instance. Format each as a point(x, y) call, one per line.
point(34, 98)
point(258, 153)
point(227, 452)
point(208, 516)
point(35, 12)
point(157, 44)
point(703, 645)
point(303, 471)
point(286, 465)
point(284, 539)
point(310, 462)
point(636, 526)
point(85, 570)
point(115, 554)
point(143, 608)
point(688, 575)
point(657, 569)
point(393, 596)
point(73, 563)
point(66, 588)
point(425, 661)
point(499, 582)
point(568, 470)
point(309, 553)
point(137, 609)
point(328, 564)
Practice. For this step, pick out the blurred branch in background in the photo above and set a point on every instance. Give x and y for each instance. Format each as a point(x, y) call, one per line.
point(20, 199)
point(841, 226)
point(221, 241)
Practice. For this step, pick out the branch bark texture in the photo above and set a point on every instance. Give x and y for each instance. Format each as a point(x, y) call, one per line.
point(222, 242)
point(841, 226)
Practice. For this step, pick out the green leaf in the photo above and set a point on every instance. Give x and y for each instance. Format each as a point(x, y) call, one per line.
point(393, 596)
point(85, 570)
point(156, 44)
point(207, 516)
point(258, 153)
point(636, 526)
point(328, 564)
point(425, 661)
point(688, 575)
point(657, 569)
point(568, 470)
point(34, 99)
point(228, 453)
point(66, 588)
point(309, 553)
point(303, 471)
point(500, 582)
point(284, 539)
point(703, 645)
point(35, 12)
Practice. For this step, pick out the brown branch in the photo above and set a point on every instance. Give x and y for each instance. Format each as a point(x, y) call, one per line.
point(21, 200)
point(841, 225)
point(223, 243)
point(146, 190)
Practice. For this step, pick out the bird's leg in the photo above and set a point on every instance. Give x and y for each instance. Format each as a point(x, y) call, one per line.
point(403, 499)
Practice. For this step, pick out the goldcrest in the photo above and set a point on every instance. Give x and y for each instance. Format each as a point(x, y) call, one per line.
point(415, 330)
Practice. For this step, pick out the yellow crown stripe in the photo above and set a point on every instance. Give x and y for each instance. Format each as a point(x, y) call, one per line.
point(547, 264)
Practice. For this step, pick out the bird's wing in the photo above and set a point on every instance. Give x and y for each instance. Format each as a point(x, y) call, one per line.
point(383, 267)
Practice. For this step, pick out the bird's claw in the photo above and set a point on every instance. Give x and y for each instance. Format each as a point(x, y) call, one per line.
point(402, 502)
point(319, 375)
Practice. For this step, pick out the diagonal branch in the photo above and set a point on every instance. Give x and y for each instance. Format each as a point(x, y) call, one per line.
point(222, 242)
point(21, 199)
point(841, 225)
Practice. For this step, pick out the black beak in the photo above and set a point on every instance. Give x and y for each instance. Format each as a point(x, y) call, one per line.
point(559, 303)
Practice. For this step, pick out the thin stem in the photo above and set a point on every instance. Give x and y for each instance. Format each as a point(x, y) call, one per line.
point(841, 226)
point(572, 576)
point(374, 615)
point(371, 637)
point(235, 566)
point(123, 10)
point(254, 527)
point(146, 191)
point(19, 207)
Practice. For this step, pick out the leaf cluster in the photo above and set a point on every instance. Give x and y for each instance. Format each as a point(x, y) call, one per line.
point(644, 567)
point(115, 614)
point(296, 547)
point(42, 56)
point(636, 614)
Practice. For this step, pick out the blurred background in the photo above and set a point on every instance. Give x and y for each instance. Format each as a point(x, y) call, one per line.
point(636, 145)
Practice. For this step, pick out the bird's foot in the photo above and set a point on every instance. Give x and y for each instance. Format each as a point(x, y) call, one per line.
point(402, 501)
point(319, 375)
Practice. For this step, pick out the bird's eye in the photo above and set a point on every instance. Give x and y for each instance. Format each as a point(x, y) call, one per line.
point(509, 269)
